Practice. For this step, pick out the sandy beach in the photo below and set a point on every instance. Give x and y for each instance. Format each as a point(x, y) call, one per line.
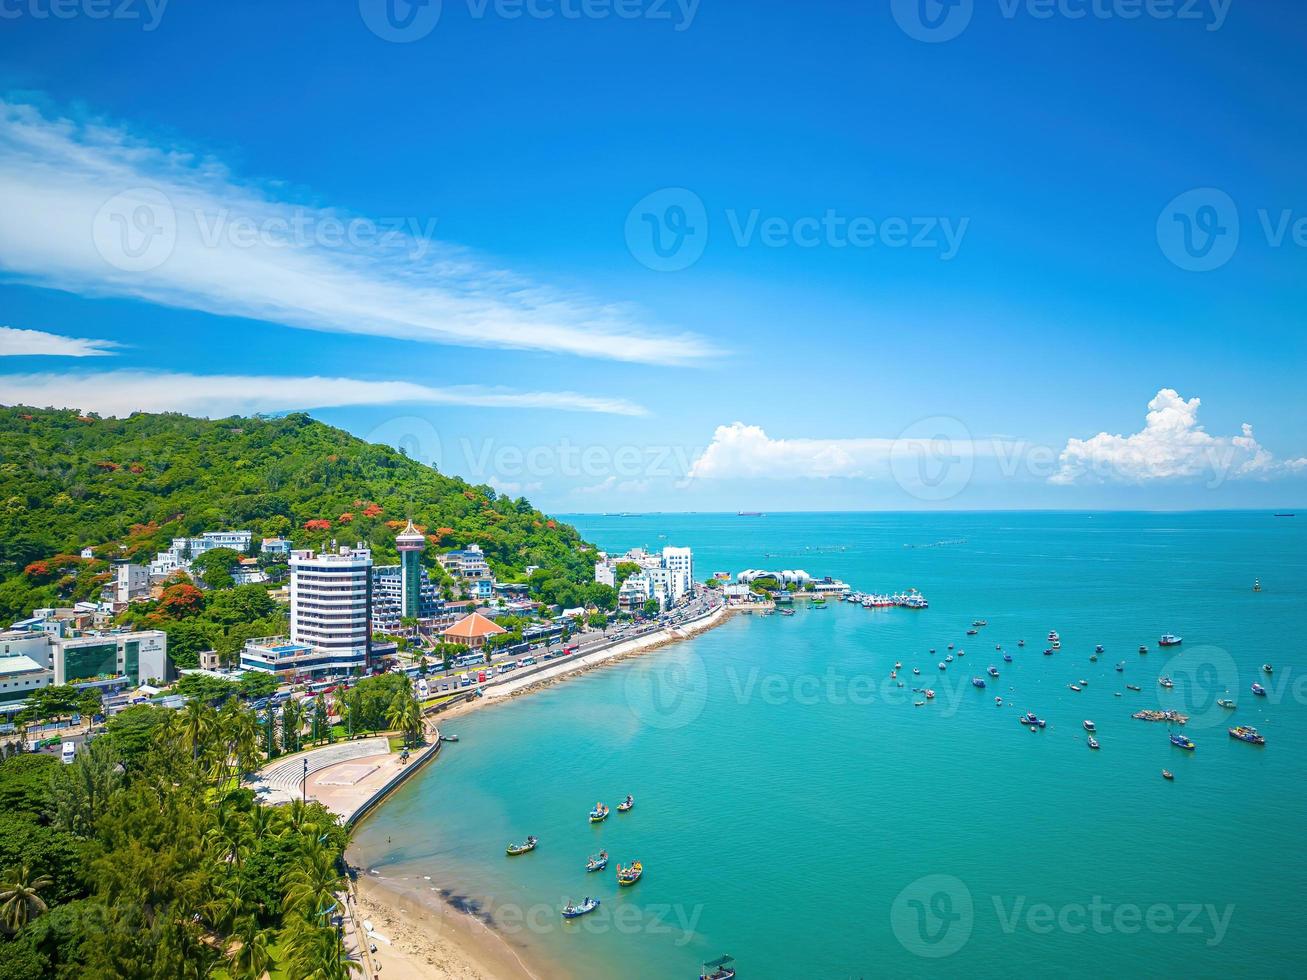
point(419, 935)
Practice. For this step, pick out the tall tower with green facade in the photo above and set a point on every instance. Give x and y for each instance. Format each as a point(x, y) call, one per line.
point(410, 543)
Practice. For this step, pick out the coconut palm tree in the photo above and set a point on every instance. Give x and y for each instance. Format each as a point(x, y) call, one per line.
point(254, 956)
point(196, 723)
point(19, 898)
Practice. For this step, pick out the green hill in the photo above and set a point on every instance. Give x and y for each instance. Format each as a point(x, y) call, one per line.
point(126, 487)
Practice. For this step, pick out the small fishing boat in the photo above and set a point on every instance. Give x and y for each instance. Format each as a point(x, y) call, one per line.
point(571, 911)
point(1120, 667)
point(1052, 635)
point(893, 674)
point(950, 646)
point(1093, 658)
point(1133, 687)
point(1074, 687)
point(626, 804)
point(1257, 585)
point(527, 845)
point(1057, 644)
point(1259, 690)
point(449, 738)
point(1225, 702)
point(1093, 742)
point(962, 653)
point(629, 876)
point(1166, 682)
point(1082, 682)
point(992, 671)
point(1246, 733)
point(1007, 658)
point(599, 813)
point(977, 682)
point(1021, 643)
point(948, 659)
point(1167, 774)
point(943, 666)
point(898, 665)
point(1143, 649)
point(998, 700)
point(1183, 742)
point(919, 704)
point(929, 694)
point(718, 969)
point(972, 632)
point(916, 670)
point(1048, 651)
point(597, 862)
point(980, 622)
point(1089, 725)
point(1266, 668)
point(1029, 718)
point(1099, 648)
point(1170, 640)
point(998, 646)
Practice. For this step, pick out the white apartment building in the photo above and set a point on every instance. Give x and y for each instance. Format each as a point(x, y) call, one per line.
point(330, 606)
point(130, 582)
point(666, 577)
point(178, 557)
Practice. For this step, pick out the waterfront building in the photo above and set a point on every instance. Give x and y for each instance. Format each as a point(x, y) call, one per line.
point(670, 574)
point(472, 631)
point(330, 606)
point(410, 543)
point(388, 598)
point(278, 655)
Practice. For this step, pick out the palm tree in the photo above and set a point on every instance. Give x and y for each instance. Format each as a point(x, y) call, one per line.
point(254, 957)
point(292, 716)
point(197, 722)
point(19, 898)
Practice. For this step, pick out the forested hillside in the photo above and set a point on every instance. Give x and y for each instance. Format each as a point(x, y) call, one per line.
point(126, 487)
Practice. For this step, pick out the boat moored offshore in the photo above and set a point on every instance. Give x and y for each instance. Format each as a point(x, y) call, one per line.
point(1183, 742)
point(1246, 733)
point(1170, 640)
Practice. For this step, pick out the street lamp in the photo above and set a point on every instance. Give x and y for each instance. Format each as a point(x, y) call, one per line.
point(304, 784)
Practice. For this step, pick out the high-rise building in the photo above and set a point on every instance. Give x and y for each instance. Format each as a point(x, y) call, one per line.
point(330, 606)
point(410, 543)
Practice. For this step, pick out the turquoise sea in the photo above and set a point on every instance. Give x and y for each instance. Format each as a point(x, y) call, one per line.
point(795, 809)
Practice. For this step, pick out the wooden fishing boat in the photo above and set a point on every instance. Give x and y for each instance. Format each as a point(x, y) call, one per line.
point(629, 876)
point(718, 969)
point(626, 804)
point(597, 862)
point(599, 813)
point(527, 845)
point(571, 911)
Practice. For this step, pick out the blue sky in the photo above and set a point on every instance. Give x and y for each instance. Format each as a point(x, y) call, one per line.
point(947, 272)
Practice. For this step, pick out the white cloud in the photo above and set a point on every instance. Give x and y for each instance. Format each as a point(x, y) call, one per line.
point(120, 393)
point(740, 451)
point(89, 208)
point(15, 342)
point(1171, 446)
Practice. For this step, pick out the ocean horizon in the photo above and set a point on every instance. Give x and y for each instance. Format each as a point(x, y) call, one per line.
point(787, 788)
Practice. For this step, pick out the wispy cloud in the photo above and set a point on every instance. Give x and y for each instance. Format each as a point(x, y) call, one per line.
point(15, 342)
point(120, 393)
point(1170, 446)
point(91, 208)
